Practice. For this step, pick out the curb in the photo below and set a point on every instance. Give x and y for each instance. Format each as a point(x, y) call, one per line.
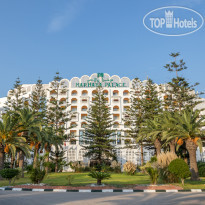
point(100, 190)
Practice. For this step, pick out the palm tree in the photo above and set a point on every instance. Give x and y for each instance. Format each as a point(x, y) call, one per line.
point(29, 127)
point(152, 131)
point(188, 128)
point(9, 139)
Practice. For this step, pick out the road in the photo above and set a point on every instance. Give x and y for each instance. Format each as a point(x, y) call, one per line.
point(51, 198)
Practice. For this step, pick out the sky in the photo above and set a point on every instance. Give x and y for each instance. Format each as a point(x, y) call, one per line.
point(81, 37)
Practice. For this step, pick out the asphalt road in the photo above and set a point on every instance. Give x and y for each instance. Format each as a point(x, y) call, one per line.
point(51, 198)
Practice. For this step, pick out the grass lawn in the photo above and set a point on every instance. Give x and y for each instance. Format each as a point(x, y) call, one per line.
point(82, 179)
point(118, 180)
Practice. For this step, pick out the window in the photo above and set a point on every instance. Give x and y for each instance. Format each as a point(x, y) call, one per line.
point(94, 92)
point(119, 141)
point(116, 100)
point(125, 92)
point(83, 116)
point(130, 155)
point(81, 133)
point(115, 93)
point(84, 108)
point(105, 92)
point(62, 100)
point(73, 124)
point(73, 108)
point(126, 100)
point(84, 92)
point(84, 100)
point(81, 154)
point(74, 93)
point(71, 155)
point(74, 101)
point(115, 108)
point(116, 117)
point(83, 124)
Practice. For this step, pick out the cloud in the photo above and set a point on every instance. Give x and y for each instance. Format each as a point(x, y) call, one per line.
point(62, 20)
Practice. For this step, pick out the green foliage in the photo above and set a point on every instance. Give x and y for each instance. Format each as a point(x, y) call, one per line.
point(37, 175)
point(70, 179)
point(98, 132)
point(29, 168)
point(99, 176)
point(129, 168)
point(153, 173)
point(153, 159)
point(77, 166)
point(180, 169)
point(201, 168)
point(9, 174)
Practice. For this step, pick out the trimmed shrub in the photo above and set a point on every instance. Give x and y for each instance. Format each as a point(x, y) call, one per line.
point(129, 168)
point(99, 176)
point(180, 169)
point(163, 161)
point(201, 168)
point(37, 175)
point(9, 174)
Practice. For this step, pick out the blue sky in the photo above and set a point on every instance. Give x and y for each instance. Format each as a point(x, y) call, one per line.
point(77, 37)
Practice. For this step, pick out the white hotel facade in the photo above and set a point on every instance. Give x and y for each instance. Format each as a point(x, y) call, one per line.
point(79, 95)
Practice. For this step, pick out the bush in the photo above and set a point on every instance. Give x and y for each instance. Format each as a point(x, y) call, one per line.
point(129, 168)
point(77, 166)
point(180, 169)
point(29, 168)
point(70, 179)
point(201, 168)
point(153, 173)
point(37, 175)
point(164, 159)
point(99, 176)
point(116, 166)
point(9, 174)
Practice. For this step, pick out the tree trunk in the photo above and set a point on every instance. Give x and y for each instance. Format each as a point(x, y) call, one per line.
point(47, 160)
point(157, 145)
point(17, 159)
point(1, 158)
point(35, 160)
point(21, 163)
point(172, 146)
point(192, 147)
point(142, 155)
point(98, 181)
point(56, 166)
point(12, 161)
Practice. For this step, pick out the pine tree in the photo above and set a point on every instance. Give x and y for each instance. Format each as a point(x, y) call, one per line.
point(15, 98)
point(38, 105)
point(98, 132)
point(179, 94)
point(58, 114)
point(135, 115)
point(16, 101)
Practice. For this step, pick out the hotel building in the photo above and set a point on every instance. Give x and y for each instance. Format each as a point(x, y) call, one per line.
point(79, 95)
